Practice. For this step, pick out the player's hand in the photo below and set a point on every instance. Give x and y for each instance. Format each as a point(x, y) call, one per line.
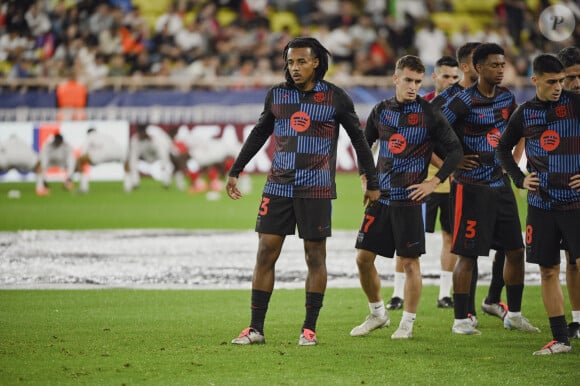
point(420, 191)
point(532, 182)
point(232, 188)
point(469, 162)
point(68, 185)
point(575, 182)
point(370, 197)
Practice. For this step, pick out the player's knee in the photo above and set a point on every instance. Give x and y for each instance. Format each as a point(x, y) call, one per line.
point(550, 273)
point(515, 256)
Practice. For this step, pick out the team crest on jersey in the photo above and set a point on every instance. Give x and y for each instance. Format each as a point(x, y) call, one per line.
point(560, 111)
point(549, 140)
point(493, 137)
point(397, 144)
point(505, 113)
point(300, 121)
point(413, 119)
point(319, 97)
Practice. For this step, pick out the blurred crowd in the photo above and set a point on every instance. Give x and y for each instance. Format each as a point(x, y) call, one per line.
point(94, 40)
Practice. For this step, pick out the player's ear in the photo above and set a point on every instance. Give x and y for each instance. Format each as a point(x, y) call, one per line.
point(315, 62)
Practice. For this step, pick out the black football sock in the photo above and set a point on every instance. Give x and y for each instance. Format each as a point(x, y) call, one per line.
point(260, 301)
point(313, 306)
point(460, 302)
point(497, 283)
point(514, 295)
point(559, 329)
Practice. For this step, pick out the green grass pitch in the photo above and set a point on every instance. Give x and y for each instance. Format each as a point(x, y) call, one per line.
point(107, 206)
point(141, 337)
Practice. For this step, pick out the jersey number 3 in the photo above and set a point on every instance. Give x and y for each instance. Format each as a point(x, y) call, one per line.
point(264, 206)
point(470, 229)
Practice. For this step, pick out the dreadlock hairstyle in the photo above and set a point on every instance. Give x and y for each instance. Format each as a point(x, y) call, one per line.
point(318, 51)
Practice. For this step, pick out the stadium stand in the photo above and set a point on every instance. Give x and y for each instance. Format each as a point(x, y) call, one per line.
point(120, 44)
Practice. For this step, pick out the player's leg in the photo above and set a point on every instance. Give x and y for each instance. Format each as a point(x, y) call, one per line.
point(276, 219)
point(473, 214)
point(313, 220)
point(507, 233)
point(409, 234)
point(315, 287)
point(492, 303)
point(553, 298)
point(370, 282)
point(462, 277)
point(398, 297)
point(514, 272)
point(375, 236)
point(413, 289)
point(269, 249)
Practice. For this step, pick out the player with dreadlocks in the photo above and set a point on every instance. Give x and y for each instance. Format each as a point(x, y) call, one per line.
point(303, 116)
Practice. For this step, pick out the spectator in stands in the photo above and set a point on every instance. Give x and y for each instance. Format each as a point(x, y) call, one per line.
point(118, 66)
point(191, 41)
point(170, 20)
point(110, 40)
point(142, 64)
point(12, 44)
point(364, 33)
point(164, 45)
point(74, 22)
point(430, 43)
point(100, 20)
point(97, 72)
point(22, 69)
point(341, 44)
point(462, 36)
point(37, 20)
